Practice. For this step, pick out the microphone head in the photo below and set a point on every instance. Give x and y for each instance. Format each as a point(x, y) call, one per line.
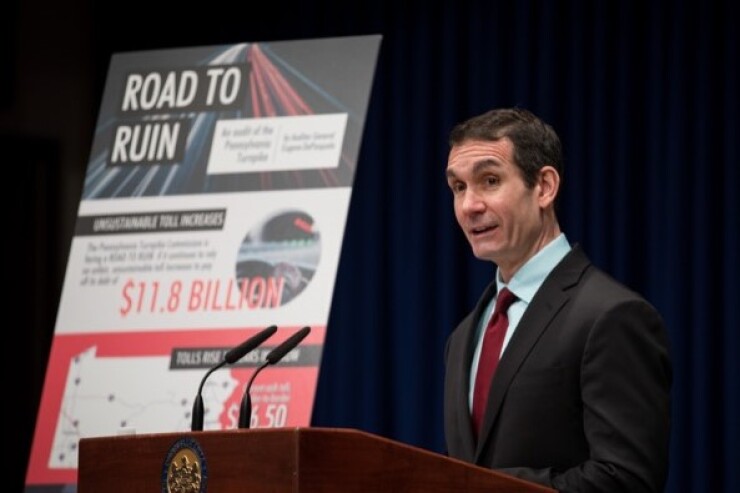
point(237, 353)
point(279, 352)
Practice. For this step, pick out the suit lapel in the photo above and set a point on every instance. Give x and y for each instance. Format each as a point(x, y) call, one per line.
point(463, 411)
point(547, 302)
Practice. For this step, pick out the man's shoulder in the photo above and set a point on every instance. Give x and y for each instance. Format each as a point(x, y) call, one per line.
point(598, 290)
point(587, 277)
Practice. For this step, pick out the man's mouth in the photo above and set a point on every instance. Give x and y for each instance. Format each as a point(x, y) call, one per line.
point(481, 230)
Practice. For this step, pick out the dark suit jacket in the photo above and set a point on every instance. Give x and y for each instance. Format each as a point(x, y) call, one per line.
point(580, 400)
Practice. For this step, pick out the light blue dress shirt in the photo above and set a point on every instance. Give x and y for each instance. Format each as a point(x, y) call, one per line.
point(524, 284)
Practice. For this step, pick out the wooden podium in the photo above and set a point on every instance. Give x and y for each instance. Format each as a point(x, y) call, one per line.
point(282, 460)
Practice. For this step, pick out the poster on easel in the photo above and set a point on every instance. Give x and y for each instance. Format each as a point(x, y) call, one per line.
point(214, 205)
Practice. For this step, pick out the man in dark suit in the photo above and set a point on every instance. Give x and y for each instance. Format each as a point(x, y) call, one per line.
point(580, 397)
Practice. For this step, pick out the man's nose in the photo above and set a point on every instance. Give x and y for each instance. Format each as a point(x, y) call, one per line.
point(472, 202)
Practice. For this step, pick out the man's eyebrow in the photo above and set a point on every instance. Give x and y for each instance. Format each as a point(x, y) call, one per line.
point(478, 167)
point(484, 164)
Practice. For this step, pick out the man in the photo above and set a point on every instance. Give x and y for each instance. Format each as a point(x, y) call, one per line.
point(580, 399)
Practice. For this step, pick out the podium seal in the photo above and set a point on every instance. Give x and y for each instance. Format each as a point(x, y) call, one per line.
point(184, 470)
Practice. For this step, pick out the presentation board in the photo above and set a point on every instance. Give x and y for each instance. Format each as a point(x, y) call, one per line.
point(214, 205)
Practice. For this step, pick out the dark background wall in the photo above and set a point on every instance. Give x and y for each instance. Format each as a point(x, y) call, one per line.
point(644, 95)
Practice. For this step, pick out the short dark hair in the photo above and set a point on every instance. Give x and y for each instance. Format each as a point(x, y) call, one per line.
point(536, 144)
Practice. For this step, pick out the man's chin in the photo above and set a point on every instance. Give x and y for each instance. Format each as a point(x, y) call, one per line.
point(484, 254)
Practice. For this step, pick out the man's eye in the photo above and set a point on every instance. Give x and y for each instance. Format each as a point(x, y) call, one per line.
point(492, 180)
point(457, 187)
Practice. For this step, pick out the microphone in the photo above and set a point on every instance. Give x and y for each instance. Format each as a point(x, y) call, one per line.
point(278, 353)
point(231, 357)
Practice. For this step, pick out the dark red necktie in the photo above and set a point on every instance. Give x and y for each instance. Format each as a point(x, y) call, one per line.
point(493, 341)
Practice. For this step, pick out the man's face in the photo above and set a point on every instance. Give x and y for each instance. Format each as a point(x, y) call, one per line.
point(501, 217)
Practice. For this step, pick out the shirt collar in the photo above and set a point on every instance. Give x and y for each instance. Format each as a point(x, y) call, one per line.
point(530, 276)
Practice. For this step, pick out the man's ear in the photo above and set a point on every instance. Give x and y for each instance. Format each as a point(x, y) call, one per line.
point(548, 185)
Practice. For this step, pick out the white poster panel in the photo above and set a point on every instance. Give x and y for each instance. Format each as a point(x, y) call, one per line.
point(214, 206)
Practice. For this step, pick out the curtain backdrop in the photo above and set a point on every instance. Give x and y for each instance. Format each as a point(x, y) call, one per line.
point(645, 98)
